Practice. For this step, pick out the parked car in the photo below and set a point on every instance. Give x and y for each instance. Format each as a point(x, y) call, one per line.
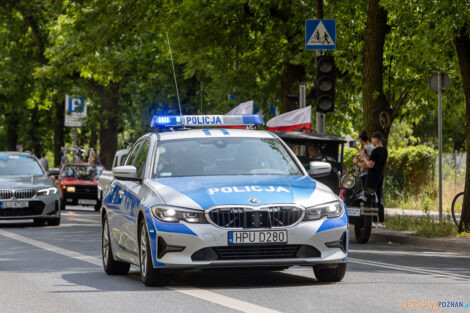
point(26, 191)
point(79, 185)
point(107, 176)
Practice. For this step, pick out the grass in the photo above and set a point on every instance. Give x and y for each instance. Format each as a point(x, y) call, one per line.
point(424, 226)
point(427, 201)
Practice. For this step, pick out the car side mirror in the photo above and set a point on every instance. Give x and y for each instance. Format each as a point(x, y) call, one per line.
point(125, 173)
point(319, 169)
point(54, 171)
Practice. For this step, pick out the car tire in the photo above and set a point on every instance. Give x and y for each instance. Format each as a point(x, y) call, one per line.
point(110, 265)
point(98, 205)
point(54, 221)
point(328, 274)
point(39, 222)
point(363, 229)
point(62, 204)
point(148, 274)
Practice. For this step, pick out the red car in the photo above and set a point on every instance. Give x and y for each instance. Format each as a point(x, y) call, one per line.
point(79, 185)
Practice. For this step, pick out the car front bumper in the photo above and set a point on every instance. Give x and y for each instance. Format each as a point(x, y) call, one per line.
point(38, 207)
point(206, 246)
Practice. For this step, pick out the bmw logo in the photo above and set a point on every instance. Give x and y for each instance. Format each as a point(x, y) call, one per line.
point(254, 200)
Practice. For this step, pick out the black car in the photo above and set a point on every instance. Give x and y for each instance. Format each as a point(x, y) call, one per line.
point(26, 191)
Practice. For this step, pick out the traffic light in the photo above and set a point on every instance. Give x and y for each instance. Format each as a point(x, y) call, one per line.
point(325, 86)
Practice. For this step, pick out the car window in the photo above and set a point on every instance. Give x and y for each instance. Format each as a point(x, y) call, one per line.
point(223, 156)
point(19, 165)
point(140, 160)
point(132, 155)
point(83, 172)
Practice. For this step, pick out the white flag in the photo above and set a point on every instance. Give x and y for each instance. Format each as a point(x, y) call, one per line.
point(242, 108)
point(292, 120)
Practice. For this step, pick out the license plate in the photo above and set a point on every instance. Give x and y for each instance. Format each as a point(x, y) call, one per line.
point(354, 211)
point(257, 237)
point(86, 201)
point(14, 204)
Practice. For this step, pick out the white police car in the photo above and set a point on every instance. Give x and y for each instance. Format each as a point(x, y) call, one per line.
point(211, 198)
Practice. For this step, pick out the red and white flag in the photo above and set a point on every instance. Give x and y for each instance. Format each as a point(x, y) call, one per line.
point(292, 120)
point(242, 108)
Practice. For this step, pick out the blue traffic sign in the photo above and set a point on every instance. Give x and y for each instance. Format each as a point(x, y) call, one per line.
point(320, 34)
point(75, 104)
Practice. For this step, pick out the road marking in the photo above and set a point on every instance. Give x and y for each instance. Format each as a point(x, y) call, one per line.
point(199, 293)
point(405, 268)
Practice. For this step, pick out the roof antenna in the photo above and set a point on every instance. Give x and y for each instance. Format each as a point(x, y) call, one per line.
point(174, 75)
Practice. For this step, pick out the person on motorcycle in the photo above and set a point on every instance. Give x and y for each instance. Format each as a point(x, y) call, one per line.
point(375, 172)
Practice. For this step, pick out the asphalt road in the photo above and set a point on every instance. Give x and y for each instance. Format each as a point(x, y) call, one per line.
point(58, 269)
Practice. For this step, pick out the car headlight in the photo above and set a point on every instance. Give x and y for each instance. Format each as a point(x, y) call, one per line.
point(70, 189)
point(47, 191)
point(175, 215)
point(348, 181)
point(330, 210)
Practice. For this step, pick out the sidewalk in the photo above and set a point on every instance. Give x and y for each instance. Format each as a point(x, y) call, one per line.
point(456, 244)
point(384, 235)
point(433, 214)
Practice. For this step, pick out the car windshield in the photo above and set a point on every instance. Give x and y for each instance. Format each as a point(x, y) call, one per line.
point(83, 172)
point(19, 165)
point(223, 156)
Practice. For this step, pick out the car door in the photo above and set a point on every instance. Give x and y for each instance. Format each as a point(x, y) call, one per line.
point(117, 205)
point(132, 198)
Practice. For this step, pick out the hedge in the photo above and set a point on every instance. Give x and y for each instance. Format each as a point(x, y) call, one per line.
point(410, 169)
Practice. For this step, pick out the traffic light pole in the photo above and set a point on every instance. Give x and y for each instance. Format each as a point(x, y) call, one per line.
point(320, 123)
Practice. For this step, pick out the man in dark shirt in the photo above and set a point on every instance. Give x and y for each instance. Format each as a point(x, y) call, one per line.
point(375, 173)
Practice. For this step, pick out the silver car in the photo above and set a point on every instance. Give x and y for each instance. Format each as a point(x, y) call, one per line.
point(26, 191)
point(208, 198)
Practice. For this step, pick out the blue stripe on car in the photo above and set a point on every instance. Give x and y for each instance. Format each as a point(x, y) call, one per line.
point(334, 223)
point(208, 191)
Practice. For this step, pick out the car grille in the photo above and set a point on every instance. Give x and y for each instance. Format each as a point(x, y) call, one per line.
point(250, 217)
point(254, 252)
point(6, 194)
point(35, 208)
point(18, 193)
point(25, 193)
point(86, 189)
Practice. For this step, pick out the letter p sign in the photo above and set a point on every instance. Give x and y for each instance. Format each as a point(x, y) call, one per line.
point(75, 105)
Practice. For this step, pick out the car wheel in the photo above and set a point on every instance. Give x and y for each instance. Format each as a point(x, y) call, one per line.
point(111, 266)
point(148, 274)
point(98, 205)
point(363, 229)
point(62, 204)
point(54, 221)
point(330, 274)
point(39, 222)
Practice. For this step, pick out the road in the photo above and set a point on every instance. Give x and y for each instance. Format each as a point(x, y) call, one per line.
point(58, 269)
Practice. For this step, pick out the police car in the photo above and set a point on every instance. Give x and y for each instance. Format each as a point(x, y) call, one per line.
point(198, 198)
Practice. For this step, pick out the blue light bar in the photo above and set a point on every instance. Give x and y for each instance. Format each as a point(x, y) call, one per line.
point(207, 120)
point(166, 121)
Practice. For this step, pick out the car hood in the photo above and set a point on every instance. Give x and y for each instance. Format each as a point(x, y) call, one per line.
point(202, 192)
point(9, 182)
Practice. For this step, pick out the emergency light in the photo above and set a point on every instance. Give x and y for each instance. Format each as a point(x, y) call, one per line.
point(206, 120)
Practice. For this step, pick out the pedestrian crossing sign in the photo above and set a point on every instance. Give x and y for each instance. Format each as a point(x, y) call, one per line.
point(320, 34)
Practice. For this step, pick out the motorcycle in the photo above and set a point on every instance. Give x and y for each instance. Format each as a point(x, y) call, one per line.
point(361, 204)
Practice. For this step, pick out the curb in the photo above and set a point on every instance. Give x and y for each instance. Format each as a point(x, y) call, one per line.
point(459, 244)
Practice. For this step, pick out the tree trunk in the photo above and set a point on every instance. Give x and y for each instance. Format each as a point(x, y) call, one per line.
point(33, 132)
point(291, 75)
point(12, 135)
point(462, 45)
point(376, 107)
point(59, 129)
point(108, 126)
